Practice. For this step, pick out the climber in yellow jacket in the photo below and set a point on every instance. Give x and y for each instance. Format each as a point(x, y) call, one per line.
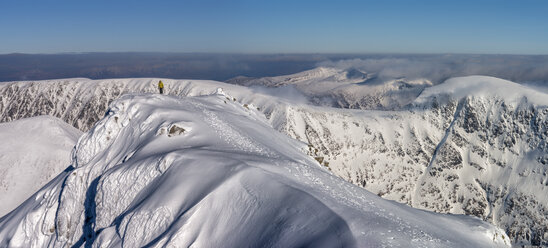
point(161, 87)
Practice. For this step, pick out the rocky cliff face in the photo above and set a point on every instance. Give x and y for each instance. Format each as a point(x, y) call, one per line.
point(475, 155)
point(471, 152)
point(82, 102)
point(78, 102)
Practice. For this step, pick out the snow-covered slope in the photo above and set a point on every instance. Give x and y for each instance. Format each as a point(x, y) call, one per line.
point(485, 87)
point(345, 88)
point(473, 145)
point(206, 171)
point(82, 102)
point(32, 152)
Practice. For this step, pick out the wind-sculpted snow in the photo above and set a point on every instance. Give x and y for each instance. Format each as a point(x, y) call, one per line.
point(161, 171)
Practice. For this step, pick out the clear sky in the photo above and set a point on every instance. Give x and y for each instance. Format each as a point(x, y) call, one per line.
point(275, 26)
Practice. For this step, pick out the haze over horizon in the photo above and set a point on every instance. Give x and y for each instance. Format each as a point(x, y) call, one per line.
point(222, 67)
point(243, 26)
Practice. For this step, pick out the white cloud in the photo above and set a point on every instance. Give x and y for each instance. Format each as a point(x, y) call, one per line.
point(437, 68)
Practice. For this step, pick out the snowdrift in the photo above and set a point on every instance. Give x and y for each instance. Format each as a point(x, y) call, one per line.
point(32, 152)
point(207, 171)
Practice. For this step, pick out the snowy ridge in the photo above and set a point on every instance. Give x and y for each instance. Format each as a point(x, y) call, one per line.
point(309, 76)
point(82, 102)
point(206, 171)
point(491, 163)
point(484, 87)
point(32, 152)
point(477, 155)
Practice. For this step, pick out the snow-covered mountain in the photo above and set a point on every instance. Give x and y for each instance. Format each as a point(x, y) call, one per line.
point(345, 88)
point(472, 145)
point(32, 152)
point(162, 171)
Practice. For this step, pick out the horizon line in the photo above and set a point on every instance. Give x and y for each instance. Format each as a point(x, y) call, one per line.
point(273, 53)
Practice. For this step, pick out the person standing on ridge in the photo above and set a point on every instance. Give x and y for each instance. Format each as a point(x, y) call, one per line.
point(161, 87)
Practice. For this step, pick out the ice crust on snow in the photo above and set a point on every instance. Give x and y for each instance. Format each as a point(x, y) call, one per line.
point(228, 180)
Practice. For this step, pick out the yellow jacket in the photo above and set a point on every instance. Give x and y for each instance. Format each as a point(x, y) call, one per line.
point(160, 85)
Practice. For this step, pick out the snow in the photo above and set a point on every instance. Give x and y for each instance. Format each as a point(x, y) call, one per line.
point(485, 87)
point(32, 152)
point(472, 145)
point(165, 171)
point(501, 177)
point(344, 88)
point(82, 102)
point(480, 152)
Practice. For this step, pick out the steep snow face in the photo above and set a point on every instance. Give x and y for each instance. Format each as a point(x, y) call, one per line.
point(345, 88)
point(473, 145)
point(32, 152)
point(163, 171)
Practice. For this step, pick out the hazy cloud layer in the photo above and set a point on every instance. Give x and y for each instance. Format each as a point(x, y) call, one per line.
point(225, 66)
point(440, 67)
point(167, 65)
point(288, 92)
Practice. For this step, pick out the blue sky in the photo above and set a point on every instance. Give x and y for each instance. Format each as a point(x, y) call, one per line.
point(254, 26)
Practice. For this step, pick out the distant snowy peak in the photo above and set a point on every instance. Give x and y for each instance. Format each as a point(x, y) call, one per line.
point(320, 73)
point(356, 89)
point(484, 87)
point(316, 75)
point(346, 88)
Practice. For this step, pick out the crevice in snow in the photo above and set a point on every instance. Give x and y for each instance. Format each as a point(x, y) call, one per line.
point(490, 205)
point(426, 171)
